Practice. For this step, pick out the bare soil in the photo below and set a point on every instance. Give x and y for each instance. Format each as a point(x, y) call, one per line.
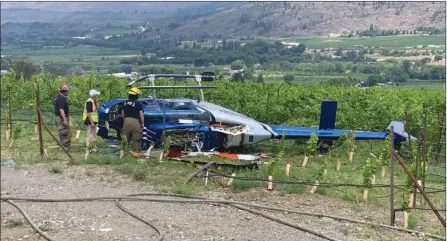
point(104, 221)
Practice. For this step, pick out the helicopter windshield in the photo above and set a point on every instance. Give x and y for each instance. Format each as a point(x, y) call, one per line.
point(181, 104)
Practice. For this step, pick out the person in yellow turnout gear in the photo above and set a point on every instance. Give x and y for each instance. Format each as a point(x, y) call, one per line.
point(133, 115)
point(90, 116)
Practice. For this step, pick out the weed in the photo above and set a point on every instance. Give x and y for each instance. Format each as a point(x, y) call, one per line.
point(242, 185)
point(290, 189)
point(125, 168)
point(56, 169)
point(185, 189)
point(435, 231)
point(140, 174)
point(15, 222)
point(413, 220)
point(45, 227)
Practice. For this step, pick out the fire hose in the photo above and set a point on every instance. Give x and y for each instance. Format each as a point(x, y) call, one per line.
point(199, 200)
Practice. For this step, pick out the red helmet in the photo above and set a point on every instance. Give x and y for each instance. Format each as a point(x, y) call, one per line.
point(65, 87)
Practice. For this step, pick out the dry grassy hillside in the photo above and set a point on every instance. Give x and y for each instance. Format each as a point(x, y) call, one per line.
point(314, 19)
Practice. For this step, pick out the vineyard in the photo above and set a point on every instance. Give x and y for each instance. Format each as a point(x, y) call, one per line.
point(369, 109)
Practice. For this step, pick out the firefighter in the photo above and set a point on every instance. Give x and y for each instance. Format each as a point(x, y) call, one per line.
point(63, 116)
point(90, 116)
point(133, 119)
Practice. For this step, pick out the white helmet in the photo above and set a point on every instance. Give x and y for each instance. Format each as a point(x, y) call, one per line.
point(93, 93)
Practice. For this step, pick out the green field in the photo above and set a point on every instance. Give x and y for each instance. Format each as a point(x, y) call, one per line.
point(431, 85)
point(385, 41)
point(50, 53)
point(83, 55)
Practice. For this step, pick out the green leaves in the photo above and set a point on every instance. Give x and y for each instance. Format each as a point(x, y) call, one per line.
point(311, 147)
point(368, 170)
point(274, 103)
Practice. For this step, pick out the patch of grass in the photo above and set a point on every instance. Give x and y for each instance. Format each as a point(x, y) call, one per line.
point(435, 231)
point(140, 174)
point(56, 169)
point(125, 168)
point(15, 222)
point(413, 220)
point(186, 189)
point(171, 175)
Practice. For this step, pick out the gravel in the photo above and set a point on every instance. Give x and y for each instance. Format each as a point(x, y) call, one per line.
point(177, 221)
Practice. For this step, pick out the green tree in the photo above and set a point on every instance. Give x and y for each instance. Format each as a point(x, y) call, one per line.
point(23, 68)
point(260, 79)
point(396, 74)
point(406, 65)
point(248, 74)
point(372, 80)
point(127, 69)
point(289, 77)
point(339, 52)
point(339, 68)
point(143, 52)
point(299, 49)
point(237, 65)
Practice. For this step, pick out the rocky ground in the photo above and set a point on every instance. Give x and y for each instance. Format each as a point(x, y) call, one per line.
point(104, 221)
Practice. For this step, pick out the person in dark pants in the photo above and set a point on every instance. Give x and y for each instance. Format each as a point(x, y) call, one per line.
point(133, 119)
point(62, 116)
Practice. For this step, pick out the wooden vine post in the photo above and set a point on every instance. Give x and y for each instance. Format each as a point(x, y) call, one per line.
point(392, 213)
point(270, 184)
point(9, 113)
point(338, 165)
point(39, 120)
point(288, 169)
point(425, 152)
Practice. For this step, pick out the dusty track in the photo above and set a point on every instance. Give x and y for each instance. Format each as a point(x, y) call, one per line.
point(104, 221)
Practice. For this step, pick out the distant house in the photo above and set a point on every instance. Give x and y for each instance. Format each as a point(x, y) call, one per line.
point(4, 72)
point(79, 37)
point(289, 45)
point(257, 66)
point(132, 75)
point(419, 46)
point(334, 35)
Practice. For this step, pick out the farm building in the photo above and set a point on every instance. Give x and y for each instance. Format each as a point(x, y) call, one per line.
point(334, 35)
point(289, 45)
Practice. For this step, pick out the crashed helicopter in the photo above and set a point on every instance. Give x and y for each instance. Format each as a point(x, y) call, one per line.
point(199, 125)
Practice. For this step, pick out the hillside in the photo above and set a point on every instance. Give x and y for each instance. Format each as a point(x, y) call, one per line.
point(314, 19)
point(103, 11)
point(237, 19)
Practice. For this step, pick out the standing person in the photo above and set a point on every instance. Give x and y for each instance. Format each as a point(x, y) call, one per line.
point(90, 116)
point(133, 119)
point(62, 116)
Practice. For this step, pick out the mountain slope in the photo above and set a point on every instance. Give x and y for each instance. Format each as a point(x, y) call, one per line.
point(238, 19)
point(279, 19)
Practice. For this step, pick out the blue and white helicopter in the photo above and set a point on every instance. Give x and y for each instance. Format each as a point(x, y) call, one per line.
point(200, 125)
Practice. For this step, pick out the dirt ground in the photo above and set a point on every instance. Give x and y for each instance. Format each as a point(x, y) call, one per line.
point(177, 221)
